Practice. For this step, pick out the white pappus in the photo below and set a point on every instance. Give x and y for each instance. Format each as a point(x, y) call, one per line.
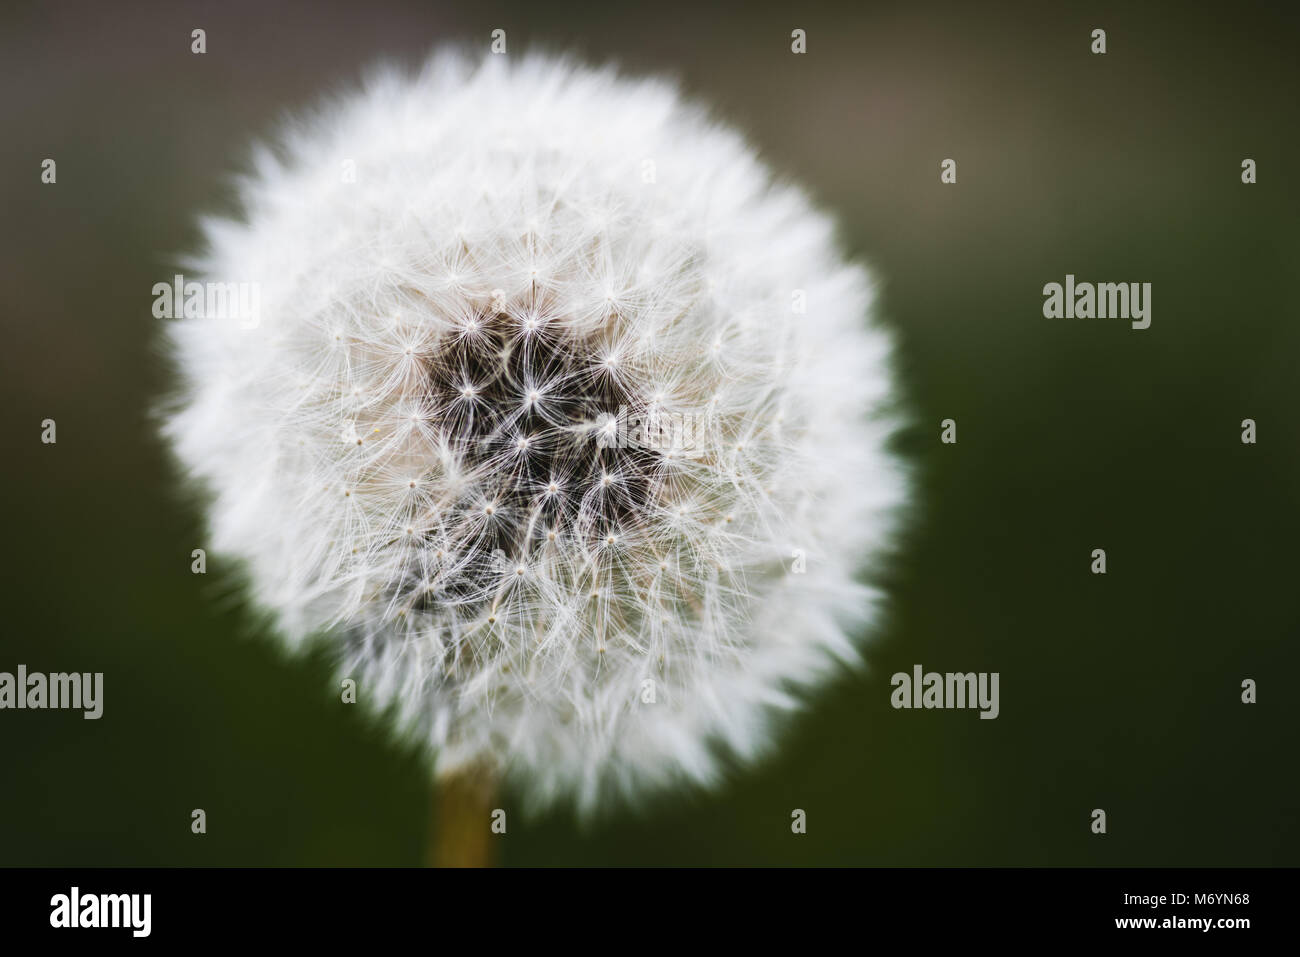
point(564, 424)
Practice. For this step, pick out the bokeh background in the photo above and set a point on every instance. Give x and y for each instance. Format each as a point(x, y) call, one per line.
point(1119, 691)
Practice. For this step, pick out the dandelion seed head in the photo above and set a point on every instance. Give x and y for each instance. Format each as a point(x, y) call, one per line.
point(476, 314)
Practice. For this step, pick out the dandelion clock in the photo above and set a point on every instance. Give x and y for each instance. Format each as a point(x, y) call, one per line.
point(562, 424)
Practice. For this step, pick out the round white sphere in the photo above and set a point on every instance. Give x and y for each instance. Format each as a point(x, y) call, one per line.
point(559, 420)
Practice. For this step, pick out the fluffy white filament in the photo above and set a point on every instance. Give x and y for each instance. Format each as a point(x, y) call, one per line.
point(562, 424)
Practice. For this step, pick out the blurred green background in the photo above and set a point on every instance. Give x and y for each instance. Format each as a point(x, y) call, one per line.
point(1119, 691)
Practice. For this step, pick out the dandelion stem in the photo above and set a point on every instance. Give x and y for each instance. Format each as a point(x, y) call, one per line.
point(461, 829)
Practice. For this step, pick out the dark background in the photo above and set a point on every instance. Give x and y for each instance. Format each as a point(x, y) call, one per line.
point(1119, 691)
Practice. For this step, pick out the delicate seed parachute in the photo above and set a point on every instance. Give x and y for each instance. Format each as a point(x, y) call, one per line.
point(563, 423)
